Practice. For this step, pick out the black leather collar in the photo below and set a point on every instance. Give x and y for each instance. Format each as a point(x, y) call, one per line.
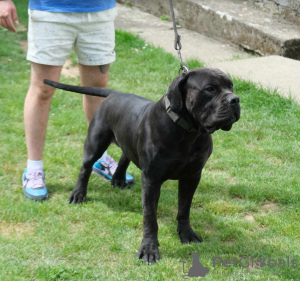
point(177, 119)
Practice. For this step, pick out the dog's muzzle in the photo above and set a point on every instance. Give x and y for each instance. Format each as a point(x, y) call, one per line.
point(226, 114)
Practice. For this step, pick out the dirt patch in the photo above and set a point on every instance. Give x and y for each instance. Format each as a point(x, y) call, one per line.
point(208, 229)
point(269, 207)
point(264, 208)
point(69, 70)
point(229, 242)
point(220, 173)
point(16, 229)
point(249, 218)
point(238, 199)
point(20, 27)
point(24, 46)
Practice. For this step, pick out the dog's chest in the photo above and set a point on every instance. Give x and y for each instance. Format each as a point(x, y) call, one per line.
point(177, 160)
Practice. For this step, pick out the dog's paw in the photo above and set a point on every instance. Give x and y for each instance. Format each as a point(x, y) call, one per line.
point(187, 235)
point(77, 196)
point(121, 183)
point(149, 252)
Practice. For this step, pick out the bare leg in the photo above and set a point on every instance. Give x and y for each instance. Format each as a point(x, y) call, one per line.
point(37, 107)
point(93, 76)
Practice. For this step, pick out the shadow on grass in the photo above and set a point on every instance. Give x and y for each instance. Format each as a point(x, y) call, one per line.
point(59, 189)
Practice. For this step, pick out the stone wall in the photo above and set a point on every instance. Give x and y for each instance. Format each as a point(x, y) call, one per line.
point(213, 23)
point(288, 9)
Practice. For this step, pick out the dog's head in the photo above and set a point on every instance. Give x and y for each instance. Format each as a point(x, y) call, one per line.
point(206, 94)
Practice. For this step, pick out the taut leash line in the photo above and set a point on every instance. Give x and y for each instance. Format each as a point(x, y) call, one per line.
point(177, 43)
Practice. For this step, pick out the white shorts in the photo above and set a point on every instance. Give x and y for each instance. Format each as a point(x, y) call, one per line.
point(51, 36)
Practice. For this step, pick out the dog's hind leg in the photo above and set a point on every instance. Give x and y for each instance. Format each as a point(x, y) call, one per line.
point(95, 145)
point(119, 177)
point(186, 190)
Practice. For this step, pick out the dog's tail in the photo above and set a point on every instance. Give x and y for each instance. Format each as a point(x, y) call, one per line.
point(91, 91)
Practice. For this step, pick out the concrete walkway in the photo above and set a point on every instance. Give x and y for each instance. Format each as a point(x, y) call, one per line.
point(273, 72)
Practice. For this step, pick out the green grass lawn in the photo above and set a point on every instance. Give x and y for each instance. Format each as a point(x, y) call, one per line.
point(247, 203)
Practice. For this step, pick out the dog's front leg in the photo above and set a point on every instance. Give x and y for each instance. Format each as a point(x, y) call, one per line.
point(186, 190)
point(150, 196)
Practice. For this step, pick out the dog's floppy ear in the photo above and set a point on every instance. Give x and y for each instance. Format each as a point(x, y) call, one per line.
point(175, 92)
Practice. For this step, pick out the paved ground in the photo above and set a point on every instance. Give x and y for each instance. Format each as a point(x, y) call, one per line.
point(272, 72)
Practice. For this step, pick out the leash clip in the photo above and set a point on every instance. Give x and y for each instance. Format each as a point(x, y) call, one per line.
point(182, 67)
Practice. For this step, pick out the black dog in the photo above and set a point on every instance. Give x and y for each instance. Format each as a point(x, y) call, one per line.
point(169, 139)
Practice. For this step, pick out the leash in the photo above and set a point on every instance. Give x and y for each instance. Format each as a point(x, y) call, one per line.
point(175, 117)
point(177, 43)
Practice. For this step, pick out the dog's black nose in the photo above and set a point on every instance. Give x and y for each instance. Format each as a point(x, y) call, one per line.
point(232, 99)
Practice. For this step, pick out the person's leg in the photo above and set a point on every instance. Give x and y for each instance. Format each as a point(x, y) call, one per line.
point(36, 112)
point(37, 107)
point(93, 76)
point(50, 41)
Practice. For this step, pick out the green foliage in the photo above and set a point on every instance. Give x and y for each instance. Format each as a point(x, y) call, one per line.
point(164, 17)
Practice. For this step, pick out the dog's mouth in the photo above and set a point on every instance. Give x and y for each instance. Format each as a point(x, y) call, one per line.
point(209, 129)
point(227, 128)
point(224, 125)
point(235, 118)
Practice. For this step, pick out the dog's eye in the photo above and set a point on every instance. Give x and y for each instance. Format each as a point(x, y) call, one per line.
point(209, 89)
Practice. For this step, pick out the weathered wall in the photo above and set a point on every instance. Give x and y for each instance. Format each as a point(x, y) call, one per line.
point(211, 23)
point(288, 9)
